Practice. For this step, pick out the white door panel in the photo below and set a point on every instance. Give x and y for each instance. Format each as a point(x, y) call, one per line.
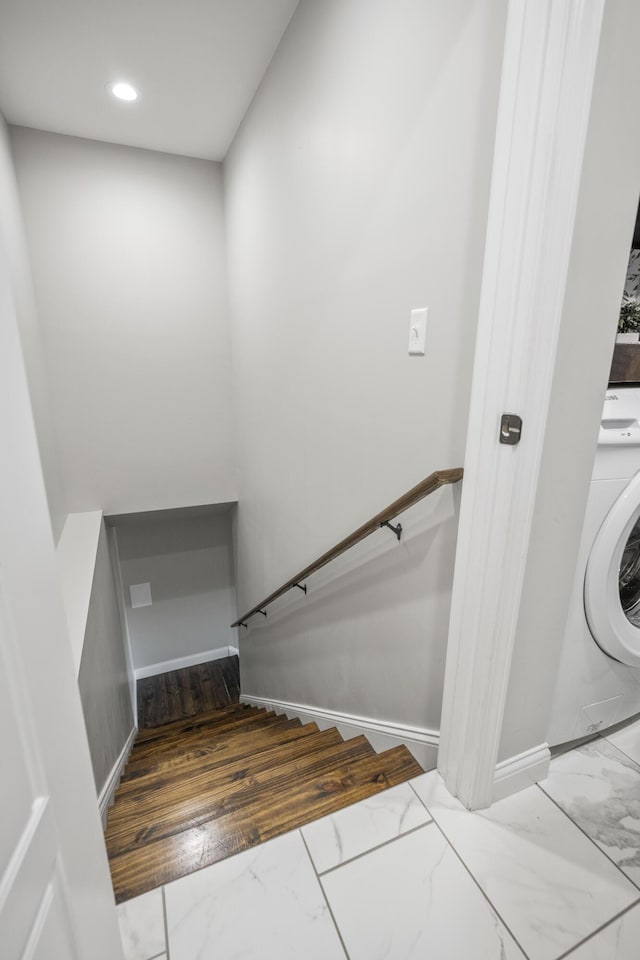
point(15, 793)
point(29, 841)
point(52, 935)
point(26, 880)
point(34, 920)
point(56, 900)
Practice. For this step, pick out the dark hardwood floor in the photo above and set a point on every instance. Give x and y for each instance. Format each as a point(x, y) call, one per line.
point(188, 692)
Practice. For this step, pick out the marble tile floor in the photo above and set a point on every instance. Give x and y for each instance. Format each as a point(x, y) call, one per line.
point(549, 873)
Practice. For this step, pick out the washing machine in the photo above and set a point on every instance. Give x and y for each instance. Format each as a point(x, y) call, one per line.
point(598, 682)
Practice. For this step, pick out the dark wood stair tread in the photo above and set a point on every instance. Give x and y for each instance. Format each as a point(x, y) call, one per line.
point(187, 724)
point(185, 809)
point(225, 770)
point(195, 733)
point(179, 747)
point(239, 747)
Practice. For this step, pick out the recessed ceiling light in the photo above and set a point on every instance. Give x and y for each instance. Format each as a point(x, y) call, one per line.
point(123, 91)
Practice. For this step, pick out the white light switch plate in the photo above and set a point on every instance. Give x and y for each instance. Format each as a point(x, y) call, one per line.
point(418, 331)
point(140, 594)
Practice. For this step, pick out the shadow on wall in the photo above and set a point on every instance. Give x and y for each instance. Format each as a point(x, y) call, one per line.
point(182, 562)
point(102, 676)
point(341, 643)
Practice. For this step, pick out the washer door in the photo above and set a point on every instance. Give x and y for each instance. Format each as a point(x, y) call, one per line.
point(612, 581)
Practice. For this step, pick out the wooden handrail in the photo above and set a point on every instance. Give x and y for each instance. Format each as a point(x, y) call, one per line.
point(417, 493)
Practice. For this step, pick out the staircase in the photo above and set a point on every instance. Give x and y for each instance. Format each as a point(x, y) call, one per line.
point(199, 790)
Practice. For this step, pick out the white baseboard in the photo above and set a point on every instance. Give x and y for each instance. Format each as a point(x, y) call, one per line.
point(521, 771)
point(110, 787)
point(382, 735)
point(153, 669)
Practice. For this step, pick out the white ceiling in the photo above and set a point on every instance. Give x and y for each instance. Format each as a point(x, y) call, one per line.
point(196, 63)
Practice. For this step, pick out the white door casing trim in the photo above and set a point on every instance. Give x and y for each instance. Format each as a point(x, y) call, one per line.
point(550, 56)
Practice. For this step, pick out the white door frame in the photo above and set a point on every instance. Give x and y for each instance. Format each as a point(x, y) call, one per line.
point(550, 54)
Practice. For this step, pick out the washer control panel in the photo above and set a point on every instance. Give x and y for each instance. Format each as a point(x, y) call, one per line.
point(620, 424)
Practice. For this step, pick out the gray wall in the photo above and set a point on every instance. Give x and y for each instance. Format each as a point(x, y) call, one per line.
point(189, 563)
point(356, 190)
point(605, 218)
point(13, 240)
point(127, 248)
point(103, 683)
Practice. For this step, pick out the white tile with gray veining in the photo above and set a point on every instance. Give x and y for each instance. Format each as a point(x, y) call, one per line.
point(549, 883)
point(619, 941)
point(413, 900)
point(141, 923)
point(264, 902)
point(364, 825)
point(627, 739)
point(599, 788)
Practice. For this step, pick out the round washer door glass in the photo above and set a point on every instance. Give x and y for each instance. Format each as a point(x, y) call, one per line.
point(629, 577)
point(612, 580)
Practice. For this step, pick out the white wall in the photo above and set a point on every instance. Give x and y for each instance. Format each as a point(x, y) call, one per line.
point(14, 243)
point(356, 190)
point(188, 562)
point(606, 214)
point(102, 678)
point(127, 248)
